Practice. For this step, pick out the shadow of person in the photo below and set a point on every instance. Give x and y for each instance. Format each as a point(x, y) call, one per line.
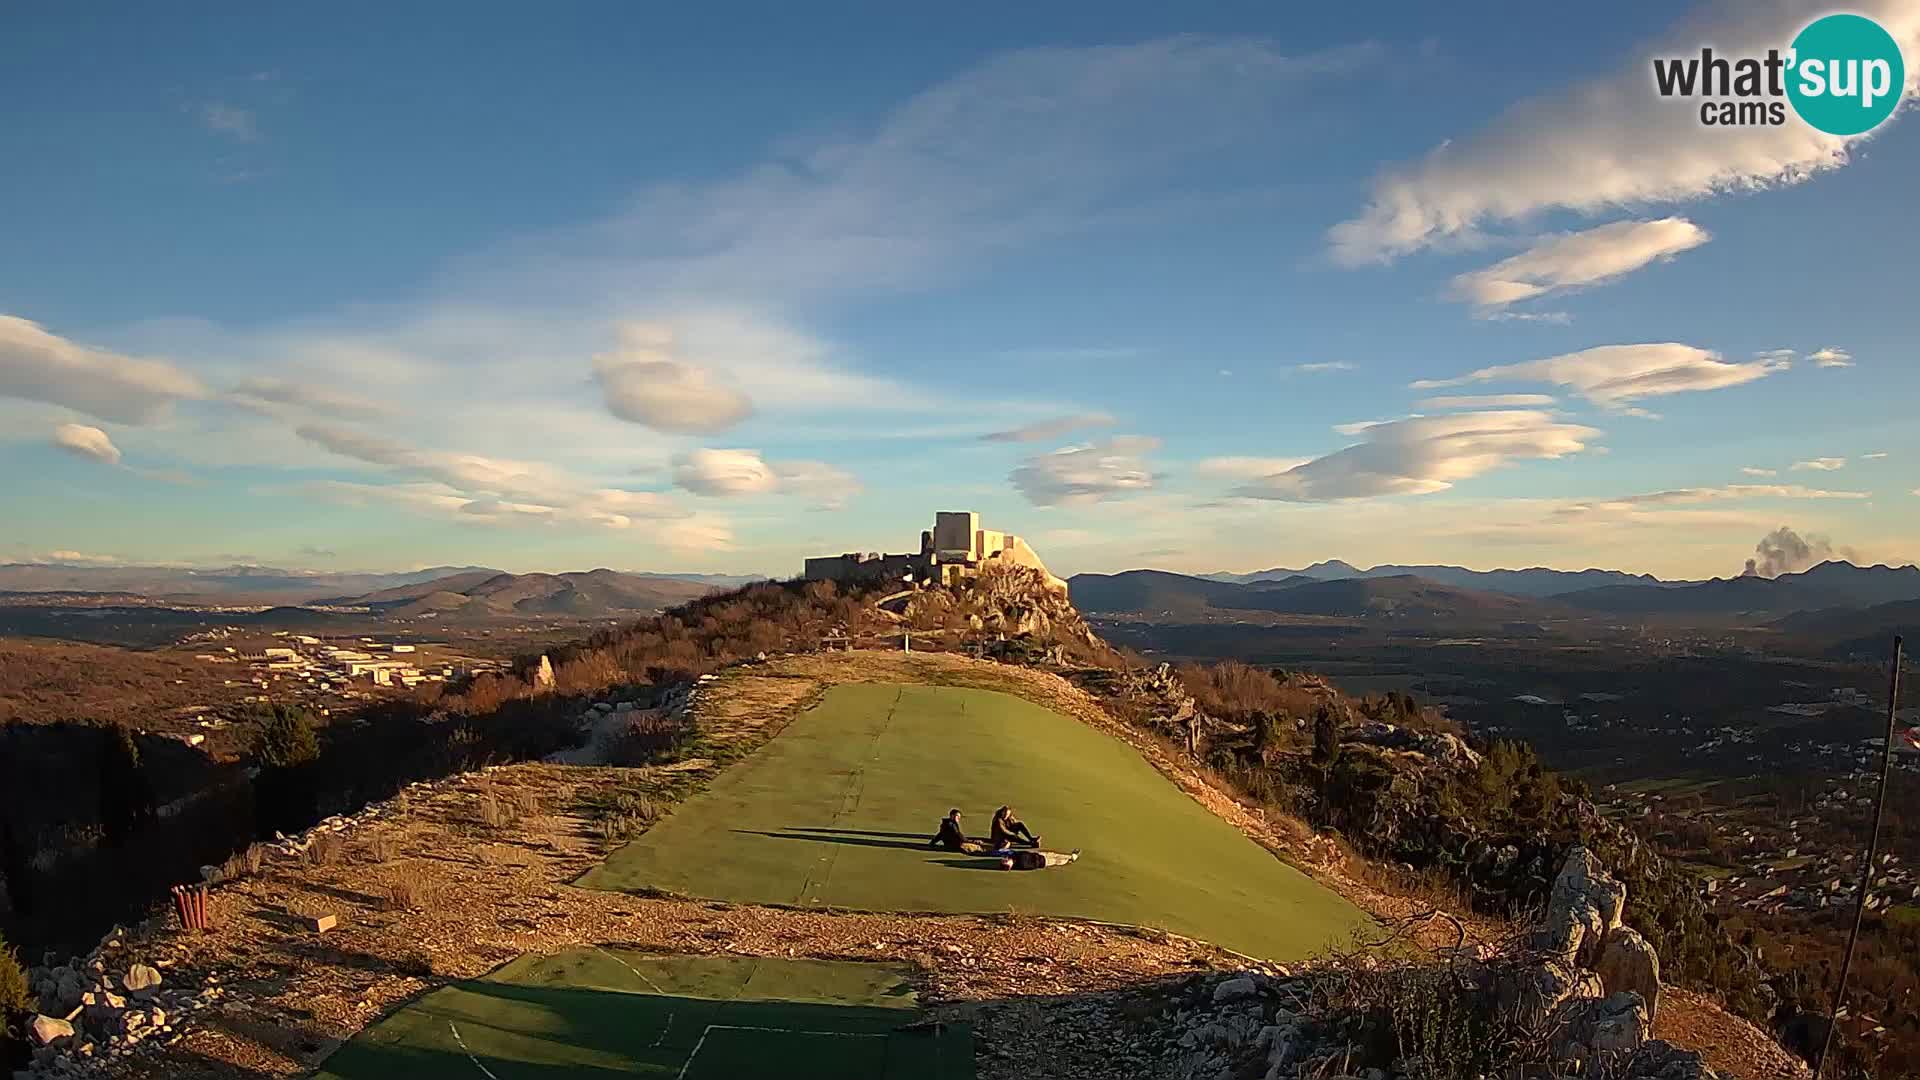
point(852, 841)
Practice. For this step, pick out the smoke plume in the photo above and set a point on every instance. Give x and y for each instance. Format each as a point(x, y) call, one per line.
point(1784, 551)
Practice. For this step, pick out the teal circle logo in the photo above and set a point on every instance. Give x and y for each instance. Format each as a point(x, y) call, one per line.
point(1845, 74)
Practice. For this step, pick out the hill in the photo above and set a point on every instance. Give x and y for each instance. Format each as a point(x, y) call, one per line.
point(1156, 592)
point(1534, 582)
point(1828, 585)
point(487, 594)
point(223, 585)
point(1851, 631)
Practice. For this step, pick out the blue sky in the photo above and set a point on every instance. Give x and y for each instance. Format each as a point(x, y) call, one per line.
point(716, 289)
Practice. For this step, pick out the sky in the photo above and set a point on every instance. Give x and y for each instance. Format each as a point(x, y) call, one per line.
point(717, 287)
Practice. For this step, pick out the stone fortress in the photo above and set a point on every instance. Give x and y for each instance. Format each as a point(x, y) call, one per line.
point(956, 548)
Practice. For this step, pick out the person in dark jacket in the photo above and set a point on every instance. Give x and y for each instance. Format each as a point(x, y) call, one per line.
point(953, 838)
point(1009, 831)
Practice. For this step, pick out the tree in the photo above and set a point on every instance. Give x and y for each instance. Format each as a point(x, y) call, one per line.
point(17, 862)
point(1326, 737)
point(126, 794)
point(286, 793)
point(283, 737)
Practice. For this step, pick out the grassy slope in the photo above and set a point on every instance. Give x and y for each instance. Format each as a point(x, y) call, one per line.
point(593, 1013)
point(836, 812)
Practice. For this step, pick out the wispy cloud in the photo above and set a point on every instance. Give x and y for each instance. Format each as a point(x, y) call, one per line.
point(1424, 455)
point(1113, 468)
point(1487, 401)
point(1831, 358)
point(231, 121)
point(1324, 367)
point(1570, 261)
point(1618, 375)
point(1822, 464)
point(1043, 430)
point(41, 366)
point(1752, 470)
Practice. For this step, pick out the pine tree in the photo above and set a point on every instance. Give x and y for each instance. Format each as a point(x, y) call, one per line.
point(126, 794)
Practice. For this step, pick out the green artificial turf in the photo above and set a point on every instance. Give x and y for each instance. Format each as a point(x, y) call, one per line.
point(837, 811)
point(595, 1013)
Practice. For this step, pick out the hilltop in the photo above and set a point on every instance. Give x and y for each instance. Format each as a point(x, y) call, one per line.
point(490, 594)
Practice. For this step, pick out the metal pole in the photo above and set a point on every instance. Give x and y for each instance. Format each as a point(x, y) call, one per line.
point(1873, 850)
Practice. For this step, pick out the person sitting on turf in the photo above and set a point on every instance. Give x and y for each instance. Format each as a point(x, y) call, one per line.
point(1009, 831)
point(952, 838)
point(1031, 859)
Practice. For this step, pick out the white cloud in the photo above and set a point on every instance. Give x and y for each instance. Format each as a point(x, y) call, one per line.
point(1072, 475)
point(825, 486)
point(1875, 456)
point(699, 534)
point(230, 120)
point(1617, 375)
point(40, 366)
point(1423, 455)
point(470, 473)
point(1044, 430)
point(1575, 260)
point(724, 473)
point(1751, 470)
point(1610, 142)
point(262, 394)
point(83, 558)
point(734, 473)
point(643, 383)
point(1247, 468)
point(1324, 367)
point(1831, 357)
point(1487, 401)
point(1822, 464)
point(87, 442)
point(1697, 495)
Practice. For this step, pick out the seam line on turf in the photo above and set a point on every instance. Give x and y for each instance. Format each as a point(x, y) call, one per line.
point(484, 1071)
point(630, 967)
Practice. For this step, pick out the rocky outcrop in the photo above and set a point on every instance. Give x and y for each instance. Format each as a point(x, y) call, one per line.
point(1628, 964)
point(1586, 905)
point(1440, 747)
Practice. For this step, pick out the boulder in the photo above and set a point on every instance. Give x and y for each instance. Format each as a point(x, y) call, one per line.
point(47, 1030)
point(1528, 994)
point(1239, 988)
point(543, 674)
point(142, 980)
point(1586, 903)
point(1629, 965)
point(1614, 1024)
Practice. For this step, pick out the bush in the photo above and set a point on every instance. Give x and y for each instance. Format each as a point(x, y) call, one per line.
point(126, 794)
point(283, 736)
point(14, 998)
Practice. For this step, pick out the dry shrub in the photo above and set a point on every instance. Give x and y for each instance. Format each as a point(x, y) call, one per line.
point(325, 849)
point(408, 891)
point(495, 812)
point(526, 803)
point(377, 849)
point(243, 863)
point(647, 736)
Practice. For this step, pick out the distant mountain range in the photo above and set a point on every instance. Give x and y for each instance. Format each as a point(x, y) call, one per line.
point(1154, 592)
point(1441, 593)
point(1538, 581)
point(488, 593)
point(584, 593)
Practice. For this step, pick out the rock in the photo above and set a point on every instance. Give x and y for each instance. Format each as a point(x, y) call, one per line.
point(1528, 994)
point(1613, 1024)
point(1585, 905)
point(1629, 965)
point(47, 1030)
point(142, 980)
point(1238, 988)
point(542, 675)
